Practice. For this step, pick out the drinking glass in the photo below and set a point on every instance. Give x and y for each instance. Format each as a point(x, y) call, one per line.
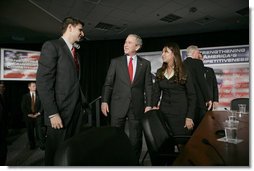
point(231, 129)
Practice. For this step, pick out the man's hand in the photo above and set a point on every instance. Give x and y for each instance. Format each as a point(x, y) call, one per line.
point(37, 114)
point(56, 122)
point(209, 104)
point(104, 108)
point(31, 116)
point(156, 107)
point(148, 108)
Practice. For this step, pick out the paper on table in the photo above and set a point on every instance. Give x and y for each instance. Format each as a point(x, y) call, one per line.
point(244, 113)
point(223, 139)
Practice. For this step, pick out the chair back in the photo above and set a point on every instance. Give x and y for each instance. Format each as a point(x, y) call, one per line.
point(159, 143)
point(104, 146)
point(234, 103)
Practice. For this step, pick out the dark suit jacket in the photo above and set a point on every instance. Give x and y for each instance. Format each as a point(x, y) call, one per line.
point(118, 91)
point(58, 81)
point(196, 69)
point(212, 84)
point(177, 99)
point(26, 104)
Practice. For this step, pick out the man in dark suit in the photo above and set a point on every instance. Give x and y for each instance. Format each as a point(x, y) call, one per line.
point(33, 113)
point(3, 126)
point(212, 84)
point(128, 90)
point(59, 88)
point(196, 69)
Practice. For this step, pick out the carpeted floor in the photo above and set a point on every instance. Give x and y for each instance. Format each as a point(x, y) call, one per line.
point(19, 153)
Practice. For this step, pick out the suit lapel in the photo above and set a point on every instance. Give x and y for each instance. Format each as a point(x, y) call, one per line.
point(66, 49)
point(29, 98)
point(138, 69)
point(68, 52)
point(70, 57)
point(125, 69)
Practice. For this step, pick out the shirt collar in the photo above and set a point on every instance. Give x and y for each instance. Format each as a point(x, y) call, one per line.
point(32, 93)
point(68, 43)
point(134, 57)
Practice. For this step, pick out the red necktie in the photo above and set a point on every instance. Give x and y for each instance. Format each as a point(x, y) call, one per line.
point(75, 57)
point(130, 68)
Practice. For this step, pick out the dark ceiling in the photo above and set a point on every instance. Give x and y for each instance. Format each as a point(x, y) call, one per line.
point(34, 21)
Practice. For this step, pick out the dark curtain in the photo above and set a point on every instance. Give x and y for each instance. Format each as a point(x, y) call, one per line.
point(95, 60)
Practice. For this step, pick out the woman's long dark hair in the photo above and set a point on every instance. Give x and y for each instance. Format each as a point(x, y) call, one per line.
point(180, 73)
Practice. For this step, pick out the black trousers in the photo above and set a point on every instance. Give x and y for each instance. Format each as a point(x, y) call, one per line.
point(55, 137)
point(35, 127)
point(135, 130)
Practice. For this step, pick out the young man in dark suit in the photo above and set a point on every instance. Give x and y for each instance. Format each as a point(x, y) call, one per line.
point(59, 88)
point(196, 69)
point(127, 90)
point(33, 113)
point(212, 84)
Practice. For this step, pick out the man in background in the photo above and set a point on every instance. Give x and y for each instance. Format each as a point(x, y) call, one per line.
point(212, 84)
point(59, 88)
point(33, 113)
point(127, 80)
point(196, 69)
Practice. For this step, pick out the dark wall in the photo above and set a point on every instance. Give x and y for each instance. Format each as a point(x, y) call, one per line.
point(96, 56)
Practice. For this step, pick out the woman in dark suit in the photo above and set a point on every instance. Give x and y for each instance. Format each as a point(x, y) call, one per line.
point(174, 84)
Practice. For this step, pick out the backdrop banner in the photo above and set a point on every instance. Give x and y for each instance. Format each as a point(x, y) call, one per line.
point(19, 65)
point(230, 64)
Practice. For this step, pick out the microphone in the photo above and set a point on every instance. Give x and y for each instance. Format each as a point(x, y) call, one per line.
point(228, 111)
point(206, 142)
point(77, 46)
point(232, 114)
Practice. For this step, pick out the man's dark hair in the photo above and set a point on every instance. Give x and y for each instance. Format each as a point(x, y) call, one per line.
point(32, 82)
point(72, 21)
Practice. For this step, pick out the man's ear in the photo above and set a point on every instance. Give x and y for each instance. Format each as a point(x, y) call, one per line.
point(138, 47)
point(69, 28)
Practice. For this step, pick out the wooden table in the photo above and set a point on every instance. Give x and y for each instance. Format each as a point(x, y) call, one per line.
point(197, 153)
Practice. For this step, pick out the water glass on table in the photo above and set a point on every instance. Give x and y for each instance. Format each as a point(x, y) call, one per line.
point(231, 129)
point(233, 116)
point(242, 109)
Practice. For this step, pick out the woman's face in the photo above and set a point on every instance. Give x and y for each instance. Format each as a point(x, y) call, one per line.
point(167, 56)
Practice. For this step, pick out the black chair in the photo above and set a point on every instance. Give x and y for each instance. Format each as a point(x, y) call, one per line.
point(234, 103)
point(160, 141)
point(104, 146)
